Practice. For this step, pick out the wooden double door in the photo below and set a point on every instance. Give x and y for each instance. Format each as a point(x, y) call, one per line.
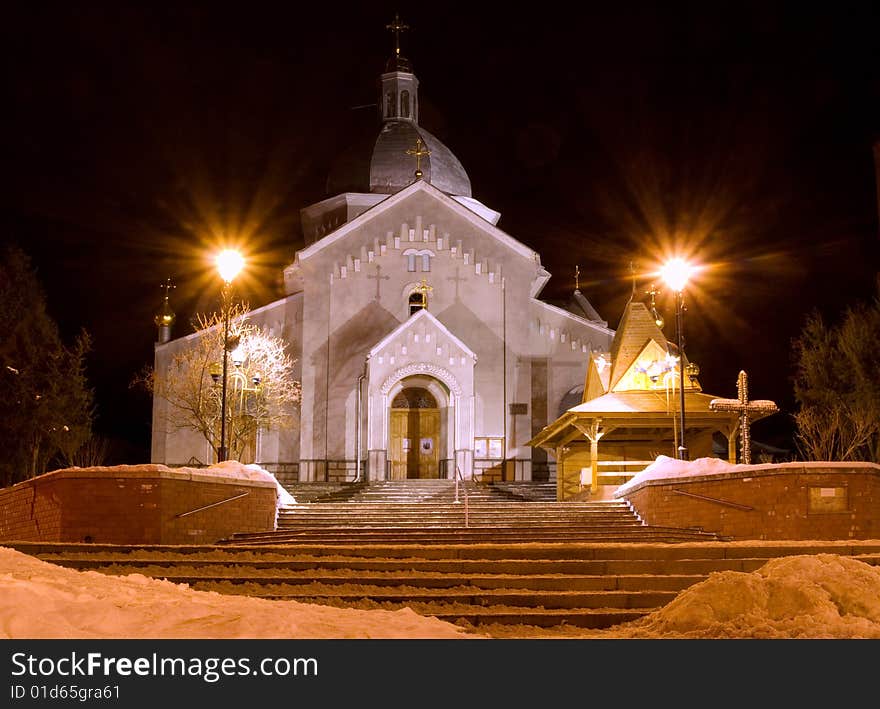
point(415, 443)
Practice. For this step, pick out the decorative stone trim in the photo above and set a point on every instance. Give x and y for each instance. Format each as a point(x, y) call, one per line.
point(444, 375)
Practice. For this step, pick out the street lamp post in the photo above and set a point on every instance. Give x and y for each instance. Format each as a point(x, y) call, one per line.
point(229, 264)
point(676, 273)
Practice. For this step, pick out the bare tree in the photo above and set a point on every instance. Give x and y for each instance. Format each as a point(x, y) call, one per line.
point(837, 386)
point(261, 390)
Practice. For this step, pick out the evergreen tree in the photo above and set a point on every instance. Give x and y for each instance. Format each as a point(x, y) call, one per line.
point(837, 386)
point(46, 405)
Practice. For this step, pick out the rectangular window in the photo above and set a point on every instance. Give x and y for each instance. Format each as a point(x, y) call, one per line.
point(411, 262)
point(488, 448)
point(426, 262)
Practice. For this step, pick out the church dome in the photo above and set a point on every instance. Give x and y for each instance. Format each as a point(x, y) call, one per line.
point(384, 166)
point(403, 151)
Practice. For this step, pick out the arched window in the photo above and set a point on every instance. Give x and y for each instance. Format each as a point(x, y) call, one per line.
point(414, 398)
point(418, 259)
point(391, 104)
point(404, 104)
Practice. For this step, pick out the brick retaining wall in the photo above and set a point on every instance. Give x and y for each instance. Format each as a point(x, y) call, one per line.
point(131, 505)
point(788, 501)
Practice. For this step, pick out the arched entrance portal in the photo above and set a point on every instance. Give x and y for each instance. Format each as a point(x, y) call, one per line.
point(415, 435)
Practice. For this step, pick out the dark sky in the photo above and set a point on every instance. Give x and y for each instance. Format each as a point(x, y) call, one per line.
point(137, 133)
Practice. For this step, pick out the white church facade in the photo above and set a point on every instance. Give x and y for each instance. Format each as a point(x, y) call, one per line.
point(419, 337)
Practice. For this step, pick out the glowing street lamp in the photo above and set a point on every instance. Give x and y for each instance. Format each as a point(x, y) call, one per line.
point(229, 264)
point(675, 273)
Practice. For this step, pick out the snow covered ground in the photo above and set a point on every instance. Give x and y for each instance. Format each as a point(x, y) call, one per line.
point(41, 600)
point(804, 596)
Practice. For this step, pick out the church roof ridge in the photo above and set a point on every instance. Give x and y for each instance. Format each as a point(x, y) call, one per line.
point(573, 316)
point(412, 322)
point(396, 198)
point(635, 329)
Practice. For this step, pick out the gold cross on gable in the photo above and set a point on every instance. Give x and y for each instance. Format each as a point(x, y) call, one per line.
point(418, 152)
point(577, 277)
point(424, 288)
point(397, 28)
point(167, 286)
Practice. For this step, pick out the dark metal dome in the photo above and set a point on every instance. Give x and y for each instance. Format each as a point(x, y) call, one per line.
point(385, 167)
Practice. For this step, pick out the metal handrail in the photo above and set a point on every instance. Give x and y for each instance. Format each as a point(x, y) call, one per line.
point(735, 505)
point(214, 504)
point(458, 476)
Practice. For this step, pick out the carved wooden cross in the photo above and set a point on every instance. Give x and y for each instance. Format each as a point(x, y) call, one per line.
point(379, 278)
point(744, 407)
point(418, 152)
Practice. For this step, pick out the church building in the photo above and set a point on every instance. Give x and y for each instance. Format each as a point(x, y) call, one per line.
point(420, 340)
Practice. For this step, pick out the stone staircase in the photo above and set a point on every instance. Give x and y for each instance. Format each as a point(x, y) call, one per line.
point(426, 512)
point(553, 586)
point(480, 522)
point(407, 491)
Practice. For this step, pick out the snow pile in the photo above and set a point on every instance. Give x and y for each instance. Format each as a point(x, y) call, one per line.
point(665, 467)
point(821, 596)
point(252, 471)
point(41, 600)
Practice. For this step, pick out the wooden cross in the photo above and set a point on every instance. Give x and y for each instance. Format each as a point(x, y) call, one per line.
point(744, 407)
point(397, 28)
point(418, 152)
point(379, 278)
point(457, 281)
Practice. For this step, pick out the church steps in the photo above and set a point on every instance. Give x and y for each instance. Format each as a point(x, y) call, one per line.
point(525, 506)
point(432, 523)
point(430, 490)
point(547, 585)
point(553, 552)
point(468, 536)
point(624, 571)
point(428, 580)
point(372, 522)
point(454, 516)
point(487, 598)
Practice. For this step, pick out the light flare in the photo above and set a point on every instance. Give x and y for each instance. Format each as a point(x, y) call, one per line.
point(229, 264)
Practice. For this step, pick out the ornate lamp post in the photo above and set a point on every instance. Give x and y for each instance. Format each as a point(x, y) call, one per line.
point(229, 265)
point(675, 274)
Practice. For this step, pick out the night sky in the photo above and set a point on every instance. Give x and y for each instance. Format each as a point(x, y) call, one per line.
point(140, 135)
